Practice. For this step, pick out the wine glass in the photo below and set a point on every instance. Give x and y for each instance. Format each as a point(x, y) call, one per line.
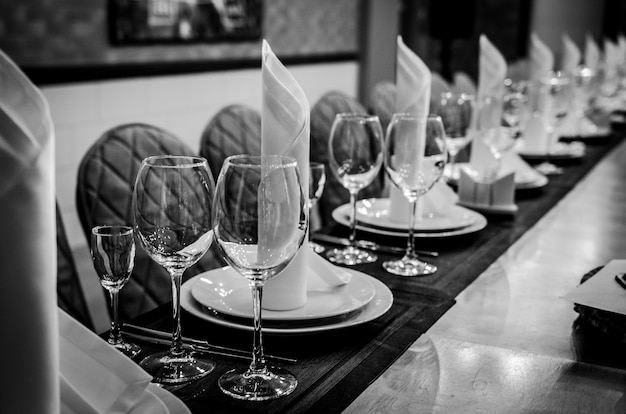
point(172, 204)
point(317, 180)
point(515, 106)
point(355, 157)
point(583, 85)
point(113, 256)
point(456, 112)
point(415, 157)
point(555, 105)
point(259, 221)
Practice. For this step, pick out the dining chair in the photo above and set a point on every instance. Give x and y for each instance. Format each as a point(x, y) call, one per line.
point(382, 102)
point(70, 293)
point(322, 116)
point(105, 183)
point(235, 129)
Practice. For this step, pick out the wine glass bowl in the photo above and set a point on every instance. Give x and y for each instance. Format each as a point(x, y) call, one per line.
point(113, 257)
point(355, 158)
point(172, 205)
point(415, 156)
point(260, 221)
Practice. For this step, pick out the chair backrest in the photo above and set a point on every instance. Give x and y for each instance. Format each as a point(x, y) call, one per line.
point(382, 102)
point(322, 116)
point(106, 178)
point(235, 129)
point(70, 294)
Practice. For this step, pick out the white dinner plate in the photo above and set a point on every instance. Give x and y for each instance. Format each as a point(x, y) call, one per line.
point(526, 180)
point(561, 151)
point(378, 306)
point(377, 211)
point(226, 291)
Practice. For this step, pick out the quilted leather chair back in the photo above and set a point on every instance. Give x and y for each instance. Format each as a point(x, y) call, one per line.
point(106, 178)
point(383, 102)
point(70, 294)
point(235, 129)
point(322, 117)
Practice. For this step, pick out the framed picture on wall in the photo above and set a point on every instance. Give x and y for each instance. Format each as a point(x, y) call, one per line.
point(183, 21)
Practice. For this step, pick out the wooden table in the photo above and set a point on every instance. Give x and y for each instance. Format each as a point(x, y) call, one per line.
point(487, 333)
point(507, 345)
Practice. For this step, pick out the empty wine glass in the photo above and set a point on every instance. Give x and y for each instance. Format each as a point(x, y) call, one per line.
point(456, 112)
point(317, 180)
point(515, 106)
point(113, 256)
point(260, 221)
point(172, 204)
point(556, 103)
point(355, 157)
point(415, 157)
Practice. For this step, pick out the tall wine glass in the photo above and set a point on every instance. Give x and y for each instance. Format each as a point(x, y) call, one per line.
point(456, 112)
point(415, 157)
point(113, 256)
point(317, 180)
point(355, 157)
point(172, 204)
point(557, 101)
point(259, 221)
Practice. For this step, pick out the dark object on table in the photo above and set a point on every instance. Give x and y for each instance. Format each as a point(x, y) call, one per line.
point(106, 178)
point(235, 129)
point(322, 116)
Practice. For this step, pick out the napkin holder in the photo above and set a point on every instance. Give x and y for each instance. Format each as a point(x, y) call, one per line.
point(496, 196)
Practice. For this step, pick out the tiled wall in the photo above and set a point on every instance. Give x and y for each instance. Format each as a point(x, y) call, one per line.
point(181, 104)
point(67, 32)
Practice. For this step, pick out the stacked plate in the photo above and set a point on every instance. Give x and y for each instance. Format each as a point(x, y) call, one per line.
point(222, 296)
point(527, 179)
point(373, 215)
point(561, 151)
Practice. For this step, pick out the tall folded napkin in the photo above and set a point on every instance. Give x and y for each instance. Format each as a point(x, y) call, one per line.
point(29, 349)
point(285, 130)
point(570, 55)
point(592, 52)
point(463, 84)
point(492, 72)
point(541, 59)
point(95, 377)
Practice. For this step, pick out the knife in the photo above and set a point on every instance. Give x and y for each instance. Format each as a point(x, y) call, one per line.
point(199, 345)
point(368, 245)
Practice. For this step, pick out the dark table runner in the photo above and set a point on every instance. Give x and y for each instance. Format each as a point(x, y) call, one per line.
point(333, 368)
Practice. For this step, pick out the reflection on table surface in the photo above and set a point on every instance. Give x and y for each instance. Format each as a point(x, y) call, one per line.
point(508, 344)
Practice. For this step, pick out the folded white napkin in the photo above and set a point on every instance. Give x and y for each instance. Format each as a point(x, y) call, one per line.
point(438, 86)
point(95, 377)
point(285, 130)
point(592, 52)
point(570, 55)
point(413, 84)
point(492, 72)
point(28, 299)
point(602, 291)
point(541, 59)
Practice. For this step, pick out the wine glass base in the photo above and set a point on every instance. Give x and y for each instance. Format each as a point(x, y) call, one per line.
point(166, 368)
point(128, 349)
point(409, 267)
point(547, 168)
point(258, 386)
point(351, 256)
point(317, 248)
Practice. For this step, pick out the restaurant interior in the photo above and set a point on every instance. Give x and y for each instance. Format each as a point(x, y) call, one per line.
point(486, 279)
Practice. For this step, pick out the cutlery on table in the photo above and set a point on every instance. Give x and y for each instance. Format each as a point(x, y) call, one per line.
point(366, 244)
point(164, 338)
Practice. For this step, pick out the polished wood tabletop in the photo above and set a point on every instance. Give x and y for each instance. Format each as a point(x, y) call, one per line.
point(509, 344)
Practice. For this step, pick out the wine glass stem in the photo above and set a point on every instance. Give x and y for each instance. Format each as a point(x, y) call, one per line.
point(177, 341)
point(353, 218)
point(258, 359)
point(115, 336)
point(410, 245)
